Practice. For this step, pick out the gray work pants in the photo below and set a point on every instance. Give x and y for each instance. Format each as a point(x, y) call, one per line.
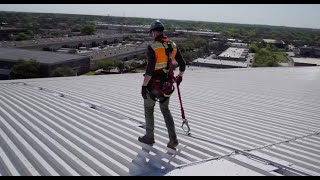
point(149, 116)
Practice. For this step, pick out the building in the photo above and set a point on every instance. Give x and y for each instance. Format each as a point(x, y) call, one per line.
point(290, 54)
point(261, 121)
point(232, 40)
point(250, 59)
point(277, 43)
point(51, 44)
point(302, 61)
point(239, 45)
point(107, 31)
point(218, 63)
point(234, 54)
point(309, 52)
point(7, 33)
point(4, 74)
point(124, 28)
point(49, 60)
point(122, 53)
point(199, 33)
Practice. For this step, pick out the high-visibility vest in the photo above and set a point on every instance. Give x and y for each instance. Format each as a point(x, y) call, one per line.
point(160, 53)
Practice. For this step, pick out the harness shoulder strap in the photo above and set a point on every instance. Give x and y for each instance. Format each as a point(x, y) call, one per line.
point(168, 48)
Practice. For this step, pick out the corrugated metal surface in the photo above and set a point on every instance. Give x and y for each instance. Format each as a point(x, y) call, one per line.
point(304, 154)
point(245, 109)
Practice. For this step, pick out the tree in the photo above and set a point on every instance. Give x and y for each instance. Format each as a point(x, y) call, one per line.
point(106, 64)
point(72, 51)
point(76, 29)
point(88, 29)
point(26, 69)
point(22, 37)
point(189, 56)
point(142, 57)
point(253, 48)
point(134, 65)
point(265, 58)
point(63, 72)
point(115, 41)
point(120, 65)
point(30, 33)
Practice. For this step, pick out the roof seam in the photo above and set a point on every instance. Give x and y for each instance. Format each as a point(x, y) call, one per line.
point(285, 141)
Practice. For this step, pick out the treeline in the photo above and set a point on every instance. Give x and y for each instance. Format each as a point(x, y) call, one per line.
point(246, 32)
point(290, 35)
point(44, 20)
point(36, 22)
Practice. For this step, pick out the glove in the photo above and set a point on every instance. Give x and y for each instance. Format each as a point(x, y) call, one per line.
point(144, 92)
point(178, 80)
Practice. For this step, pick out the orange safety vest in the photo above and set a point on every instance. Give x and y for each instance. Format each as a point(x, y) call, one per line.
point(161, 59)
point(160, 53)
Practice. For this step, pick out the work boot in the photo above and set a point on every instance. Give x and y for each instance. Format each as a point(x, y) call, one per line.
point(173, 143)
point(146, 140)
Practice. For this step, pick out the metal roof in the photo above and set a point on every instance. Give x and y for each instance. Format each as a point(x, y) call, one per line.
point(199, 32)
point(221, 62)
point(89, 125)
point(290, 54)
point(243, 45)
point(273, 41)
point(109, 52)
point(58, 40)
point(315, 61)
point(4, 71)
point(45, 57)
point(233, 52)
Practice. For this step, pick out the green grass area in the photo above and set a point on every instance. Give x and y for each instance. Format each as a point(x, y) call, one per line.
point(90, 73)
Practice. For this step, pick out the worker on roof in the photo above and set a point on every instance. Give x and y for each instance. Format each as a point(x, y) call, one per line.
point(158, 82)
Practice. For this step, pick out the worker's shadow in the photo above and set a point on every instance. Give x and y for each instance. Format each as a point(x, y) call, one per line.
point(151, 162)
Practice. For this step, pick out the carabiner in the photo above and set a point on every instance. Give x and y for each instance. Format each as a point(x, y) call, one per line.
point(185, 122)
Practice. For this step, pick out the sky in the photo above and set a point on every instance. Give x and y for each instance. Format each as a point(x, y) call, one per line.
point(292, 15)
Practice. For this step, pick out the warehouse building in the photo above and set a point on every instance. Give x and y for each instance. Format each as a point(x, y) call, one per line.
point(277, 43)
point(52, 44)
point(49, 60)
point(234, 54)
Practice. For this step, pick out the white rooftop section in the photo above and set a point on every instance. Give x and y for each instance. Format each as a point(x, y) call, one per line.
point(290, 54)
point(232, 40)
point(233, 52)
point(221, 62)
point(241, 45)
point(272, 41)
point(59, 40)
point(219, 167)
point(4, 71)
point(124, 25)
point(199, 32)
point(89, 125)
point(315, 61)
point(45, 57)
